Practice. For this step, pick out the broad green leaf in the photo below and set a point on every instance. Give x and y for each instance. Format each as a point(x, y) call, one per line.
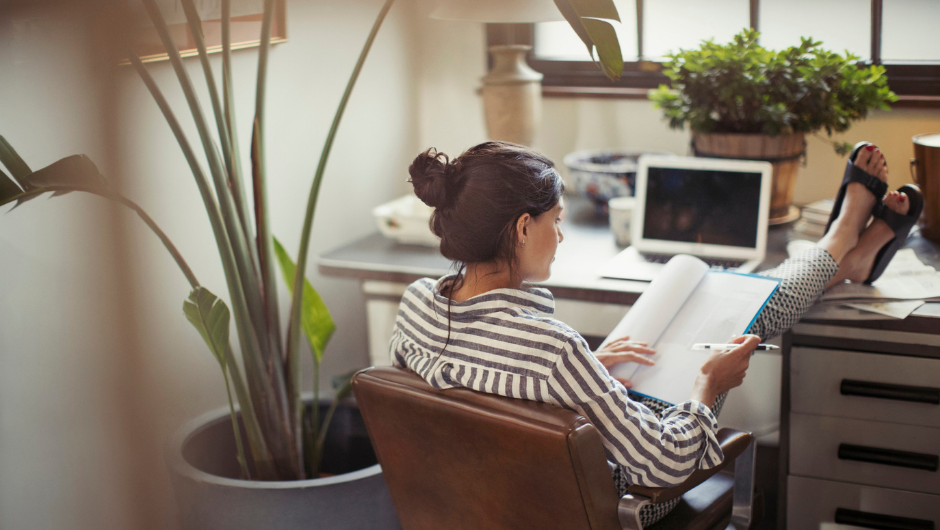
point(75, 170)
point(13, 162)
point(8, 188)
point(608, 47)
point(588, 18)
point(315, 317)
point(210, 317)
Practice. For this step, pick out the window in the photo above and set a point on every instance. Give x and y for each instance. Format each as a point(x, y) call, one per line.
point(900, 34)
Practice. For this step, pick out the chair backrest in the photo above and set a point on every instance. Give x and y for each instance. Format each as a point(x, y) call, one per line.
point(460, 459)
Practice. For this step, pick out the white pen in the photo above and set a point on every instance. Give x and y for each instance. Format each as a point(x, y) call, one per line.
point(705, 346)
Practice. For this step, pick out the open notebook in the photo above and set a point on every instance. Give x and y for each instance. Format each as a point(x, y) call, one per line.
point(686, 304)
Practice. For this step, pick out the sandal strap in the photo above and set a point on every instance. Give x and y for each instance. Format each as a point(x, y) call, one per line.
point(876, 186)
point(891, 218)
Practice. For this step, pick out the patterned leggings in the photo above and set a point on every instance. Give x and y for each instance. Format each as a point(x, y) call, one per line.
point(803, 279)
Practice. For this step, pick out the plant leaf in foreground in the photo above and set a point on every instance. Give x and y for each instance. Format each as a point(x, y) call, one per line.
point(315, 318)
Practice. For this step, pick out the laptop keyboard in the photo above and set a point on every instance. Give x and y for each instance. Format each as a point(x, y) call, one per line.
point(714, 263)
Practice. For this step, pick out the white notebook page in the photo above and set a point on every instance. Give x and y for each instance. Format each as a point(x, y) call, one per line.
point(689, 305)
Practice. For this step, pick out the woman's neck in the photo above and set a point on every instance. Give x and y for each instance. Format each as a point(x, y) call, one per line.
point(479, 278)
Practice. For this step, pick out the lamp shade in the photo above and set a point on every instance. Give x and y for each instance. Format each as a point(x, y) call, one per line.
point(497, 11)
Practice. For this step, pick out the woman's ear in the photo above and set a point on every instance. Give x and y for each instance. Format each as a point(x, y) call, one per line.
point(521, 225)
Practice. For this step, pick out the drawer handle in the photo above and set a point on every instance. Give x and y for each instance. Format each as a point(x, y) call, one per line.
point(889, 457)
point(880, 521)
point(917, 394)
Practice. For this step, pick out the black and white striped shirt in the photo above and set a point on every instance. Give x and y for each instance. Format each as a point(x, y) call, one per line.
point(500, 344)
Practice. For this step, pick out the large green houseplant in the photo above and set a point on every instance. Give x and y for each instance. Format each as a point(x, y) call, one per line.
point(742, 100)
point(284, 438)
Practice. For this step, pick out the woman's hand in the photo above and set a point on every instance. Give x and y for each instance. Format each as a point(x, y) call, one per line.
point(724, 370)
point(624, 351)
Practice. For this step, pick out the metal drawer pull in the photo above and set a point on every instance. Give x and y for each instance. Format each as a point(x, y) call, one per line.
point(880, 521)
point(889, 457)
point(917, 394)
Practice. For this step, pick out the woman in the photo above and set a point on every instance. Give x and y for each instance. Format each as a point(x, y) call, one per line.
point(498, 212)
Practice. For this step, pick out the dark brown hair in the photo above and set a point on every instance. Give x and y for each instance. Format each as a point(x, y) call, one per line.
point(478, 196)
point(477, 199)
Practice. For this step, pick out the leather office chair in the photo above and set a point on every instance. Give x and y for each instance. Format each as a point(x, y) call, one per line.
point(459, 459)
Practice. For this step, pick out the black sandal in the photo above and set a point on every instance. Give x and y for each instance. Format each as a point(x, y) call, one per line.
point(901, 224)
point(853, 173)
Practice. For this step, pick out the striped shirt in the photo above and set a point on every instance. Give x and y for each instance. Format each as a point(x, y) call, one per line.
point(501, 344)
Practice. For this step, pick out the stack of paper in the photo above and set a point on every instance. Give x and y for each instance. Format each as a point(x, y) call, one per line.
point(902, 289)
point(814, 218)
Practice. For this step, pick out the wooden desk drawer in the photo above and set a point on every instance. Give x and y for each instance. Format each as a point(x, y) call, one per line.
point(865, 452)
point(811, 503)
point(869, 386)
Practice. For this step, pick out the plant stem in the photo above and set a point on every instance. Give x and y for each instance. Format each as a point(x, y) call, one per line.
point(193, 282)
point(293, 342)
point(279, 431)
point(262, 212)
point(315, 415)
point(260, 386)
point(238, 434)
point(238, 187)
point(228, 154)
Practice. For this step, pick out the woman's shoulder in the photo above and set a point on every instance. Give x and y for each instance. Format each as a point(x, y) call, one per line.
point(562, 332)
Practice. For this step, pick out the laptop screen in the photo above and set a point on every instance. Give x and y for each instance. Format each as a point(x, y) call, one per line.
point(716, 207)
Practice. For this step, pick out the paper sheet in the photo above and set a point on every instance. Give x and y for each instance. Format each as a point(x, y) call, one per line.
point(723, 305)
point(905, 278)
point(659, 303)
point(899, 310)
point(687, 304)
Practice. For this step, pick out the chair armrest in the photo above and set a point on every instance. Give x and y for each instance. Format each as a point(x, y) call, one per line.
point(732, 442)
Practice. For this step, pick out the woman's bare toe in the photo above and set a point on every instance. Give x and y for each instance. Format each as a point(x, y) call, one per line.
point(897, 202)
point(872, 161)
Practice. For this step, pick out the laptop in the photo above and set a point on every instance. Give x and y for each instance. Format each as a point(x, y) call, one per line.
point(712, 208)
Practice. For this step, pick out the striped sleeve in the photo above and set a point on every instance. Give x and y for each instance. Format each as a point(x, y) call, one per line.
point(654, 452)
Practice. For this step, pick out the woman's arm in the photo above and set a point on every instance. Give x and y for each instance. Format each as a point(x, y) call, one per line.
point(656, 452)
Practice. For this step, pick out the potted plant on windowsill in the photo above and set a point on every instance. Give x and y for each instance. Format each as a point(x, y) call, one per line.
point(743, 101)
point(262, 463)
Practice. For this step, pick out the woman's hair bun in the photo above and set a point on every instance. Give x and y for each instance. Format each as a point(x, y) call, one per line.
point(431, 172)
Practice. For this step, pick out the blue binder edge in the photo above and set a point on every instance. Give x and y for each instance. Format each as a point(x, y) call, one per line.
point(771, 278)
point(769, 296)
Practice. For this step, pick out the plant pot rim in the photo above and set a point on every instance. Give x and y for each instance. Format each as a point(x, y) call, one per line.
point(799, 133)
point(173, 453)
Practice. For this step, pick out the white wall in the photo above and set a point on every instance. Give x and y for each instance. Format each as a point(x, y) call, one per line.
point(69, 455)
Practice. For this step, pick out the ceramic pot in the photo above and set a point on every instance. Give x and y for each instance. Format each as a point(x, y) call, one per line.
point(512, 96)
point(604, 174)
point(201, 460)
point(925, 170)
point(784, 152)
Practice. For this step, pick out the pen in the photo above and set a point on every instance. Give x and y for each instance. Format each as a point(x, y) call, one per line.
point(704, 346)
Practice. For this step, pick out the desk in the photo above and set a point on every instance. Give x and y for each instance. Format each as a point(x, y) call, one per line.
point(593, 305)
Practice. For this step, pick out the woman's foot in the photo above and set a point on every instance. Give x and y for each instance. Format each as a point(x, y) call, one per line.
point(843, 234)
point(858, 263)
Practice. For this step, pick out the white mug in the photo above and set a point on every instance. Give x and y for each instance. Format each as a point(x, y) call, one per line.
point(621, 216)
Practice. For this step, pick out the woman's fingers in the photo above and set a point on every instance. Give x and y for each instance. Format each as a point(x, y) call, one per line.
point(630, 346)
point(611, 359)
point(626, 338)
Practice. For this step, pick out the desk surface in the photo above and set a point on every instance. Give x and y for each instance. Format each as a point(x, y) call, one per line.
point(588, 245)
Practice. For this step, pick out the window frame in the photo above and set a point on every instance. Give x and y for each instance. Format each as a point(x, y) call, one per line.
point(917, 84)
